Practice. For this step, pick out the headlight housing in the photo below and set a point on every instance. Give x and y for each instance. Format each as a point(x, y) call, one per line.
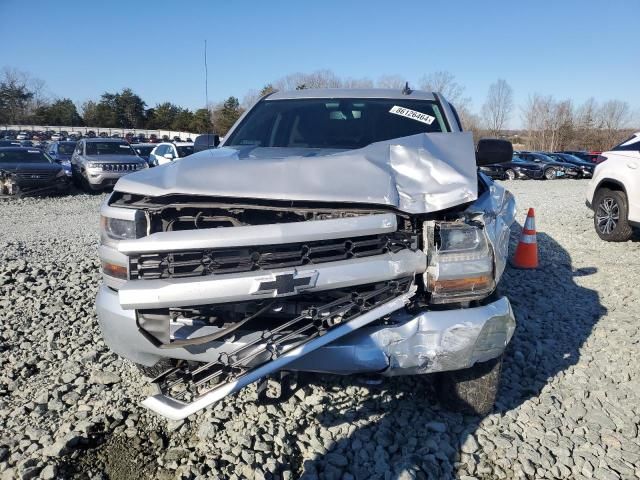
point(127, 225)
point(460, 266)
point(118, 229)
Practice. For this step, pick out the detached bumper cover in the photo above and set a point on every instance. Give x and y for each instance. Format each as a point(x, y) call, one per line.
point(431, 341)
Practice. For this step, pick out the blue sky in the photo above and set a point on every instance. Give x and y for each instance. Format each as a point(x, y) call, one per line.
point(568, 49)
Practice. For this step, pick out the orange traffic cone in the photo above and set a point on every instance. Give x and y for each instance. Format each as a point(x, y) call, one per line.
point(527, 250)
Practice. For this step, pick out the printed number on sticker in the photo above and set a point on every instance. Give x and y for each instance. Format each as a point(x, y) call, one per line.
point(412, 114)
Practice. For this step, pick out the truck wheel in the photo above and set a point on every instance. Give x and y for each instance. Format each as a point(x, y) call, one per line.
point(472, 390)
point(550, 173)
point(610, 215)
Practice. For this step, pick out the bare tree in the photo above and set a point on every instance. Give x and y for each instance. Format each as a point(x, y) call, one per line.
point(15, 95)
point(40, 96)
point(317, 79)
point(445, 83)
point(497, 109)
point(614, 116)
point(396, 82)
point(357, 83)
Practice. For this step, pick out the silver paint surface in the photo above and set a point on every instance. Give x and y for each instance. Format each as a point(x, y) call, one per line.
point(416, 174)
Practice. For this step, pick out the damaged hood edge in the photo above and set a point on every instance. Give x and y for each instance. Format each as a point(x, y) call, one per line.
point(417, 174)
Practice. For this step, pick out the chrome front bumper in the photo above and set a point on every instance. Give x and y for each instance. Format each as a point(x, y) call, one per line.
point(427, 342)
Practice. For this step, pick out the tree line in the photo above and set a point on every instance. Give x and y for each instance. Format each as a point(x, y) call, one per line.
point(23, 101)
point(547, 124)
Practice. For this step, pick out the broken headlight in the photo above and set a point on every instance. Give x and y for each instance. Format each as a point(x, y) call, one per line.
point(123, 225)
point(460, 267)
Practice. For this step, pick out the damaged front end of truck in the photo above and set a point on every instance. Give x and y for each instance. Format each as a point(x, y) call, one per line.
point(236, 267)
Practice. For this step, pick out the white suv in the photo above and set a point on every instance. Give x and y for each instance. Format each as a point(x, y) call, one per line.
point(614, 191)
point(168, 152)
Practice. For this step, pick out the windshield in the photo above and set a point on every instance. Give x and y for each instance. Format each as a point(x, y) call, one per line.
point(558, 158)
point(539, 157)
point(335, 123)
point(109, 148)
point(143, 150)
point(66, 148)
point(184, 151)
point(574, 159)
point(23, 156)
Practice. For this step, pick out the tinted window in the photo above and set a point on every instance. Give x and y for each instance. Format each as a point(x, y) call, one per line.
point(184, 151)
point(143, 150)
point(162, 149)
point(109, 148)
point(335, 123)
point(66, 148)
point(630, 144)
point(23, 156)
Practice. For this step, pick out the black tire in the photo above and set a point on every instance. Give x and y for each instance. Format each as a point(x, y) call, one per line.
point(610, 215)
point(509, 174)
point(472, 390)
point(550, 173)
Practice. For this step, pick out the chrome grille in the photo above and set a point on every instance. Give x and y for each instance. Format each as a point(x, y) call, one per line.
point(36, 175)
point(264, 257)
point(119, 167)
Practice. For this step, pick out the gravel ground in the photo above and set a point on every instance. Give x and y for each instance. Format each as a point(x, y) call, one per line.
point(568, 407)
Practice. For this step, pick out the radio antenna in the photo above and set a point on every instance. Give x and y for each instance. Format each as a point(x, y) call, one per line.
point(206, 77)
point(206, 95)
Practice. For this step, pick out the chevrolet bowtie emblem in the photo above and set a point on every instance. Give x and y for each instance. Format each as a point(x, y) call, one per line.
point(286, 283)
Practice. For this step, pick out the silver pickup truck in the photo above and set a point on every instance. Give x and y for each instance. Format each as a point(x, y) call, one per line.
point(337, 230)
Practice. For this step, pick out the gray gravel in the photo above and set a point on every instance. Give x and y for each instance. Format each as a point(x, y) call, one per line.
point(568, 407)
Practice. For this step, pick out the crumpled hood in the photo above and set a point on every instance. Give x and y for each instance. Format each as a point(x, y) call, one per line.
point(416, 174)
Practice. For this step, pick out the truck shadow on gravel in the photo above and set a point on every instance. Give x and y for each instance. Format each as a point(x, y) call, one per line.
point(399, 431)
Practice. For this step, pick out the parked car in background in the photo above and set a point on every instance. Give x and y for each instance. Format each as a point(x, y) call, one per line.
point(9, 143)
point(496, 171)
point(30, 171)
point(206, 141)
point(523, 169)
point(22, 136)
point(585, 169)
point(144, 151)
point(614, 191)
point(168, 152)
point(61, 153)
point(56, 137)
point(551, 169)
point(584, 155)
point(98, 163)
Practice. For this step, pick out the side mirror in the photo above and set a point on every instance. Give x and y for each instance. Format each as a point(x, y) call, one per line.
point(493, 150)
point(216, 140)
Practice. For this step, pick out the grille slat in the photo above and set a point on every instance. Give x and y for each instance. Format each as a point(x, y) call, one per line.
point(264, 257)
point(119, 167)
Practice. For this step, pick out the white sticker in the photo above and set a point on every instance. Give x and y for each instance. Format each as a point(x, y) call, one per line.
point(412, 114)
point(33, 151)
point(123, 146)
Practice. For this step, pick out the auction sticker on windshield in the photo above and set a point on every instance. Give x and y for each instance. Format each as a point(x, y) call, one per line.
point(408, 113)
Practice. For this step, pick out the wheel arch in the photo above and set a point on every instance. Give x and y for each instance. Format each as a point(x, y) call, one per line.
point(611, 184)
